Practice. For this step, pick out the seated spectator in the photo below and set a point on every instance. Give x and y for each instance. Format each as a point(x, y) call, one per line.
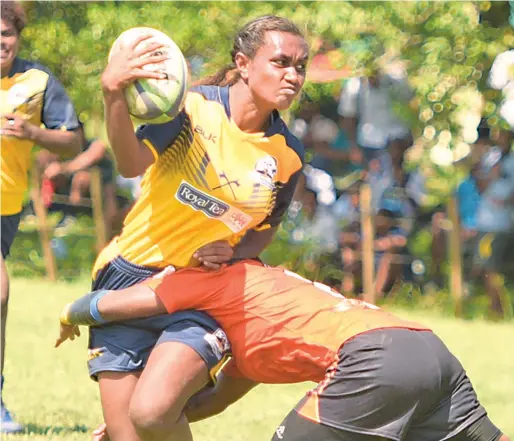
point(332, 150)
point(72, 178)
point(469, 194)
point(347, 207)
point(387, 174)
point(389, 245)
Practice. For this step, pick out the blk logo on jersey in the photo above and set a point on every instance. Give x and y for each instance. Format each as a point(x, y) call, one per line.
point(206, 136)
point(232, 217)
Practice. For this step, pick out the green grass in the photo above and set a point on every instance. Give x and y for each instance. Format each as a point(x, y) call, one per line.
point(49, 390)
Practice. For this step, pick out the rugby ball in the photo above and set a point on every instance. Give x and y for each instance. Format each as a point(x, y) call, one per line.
point(151, 100)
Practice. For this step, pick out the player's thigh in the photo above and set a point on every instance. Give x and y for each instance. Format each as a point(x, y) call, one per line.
point(116, 390)
point(298, 428)
point(173, 374)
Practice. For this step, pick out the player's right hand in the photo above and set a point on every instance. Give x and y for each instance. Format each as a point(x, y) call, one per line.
point(126, 64)
point(53, 170)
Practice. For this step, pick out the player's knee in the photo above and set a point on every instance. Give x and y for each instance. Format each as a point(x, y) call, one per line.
point(150, 419)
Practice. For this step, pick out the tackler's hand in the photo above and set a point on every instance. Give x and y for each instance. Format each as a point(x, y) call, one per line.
point(214, 254)
point(67, 332)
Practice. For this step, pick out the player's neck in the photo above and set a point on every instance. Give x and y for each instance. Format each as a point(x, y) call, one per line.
point(245, 112)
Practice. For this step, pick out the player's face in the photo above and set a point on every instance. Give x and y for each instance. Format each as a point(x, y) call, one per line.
point(9, 45)
point(276, 74)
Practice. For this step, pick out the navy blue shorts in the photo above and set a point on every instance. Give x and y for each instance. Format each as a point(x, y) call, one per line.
point(9, 228)
point(125, 346)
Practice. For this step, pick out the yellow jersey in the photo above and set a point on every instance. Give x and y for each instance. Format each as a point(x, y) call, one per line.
point(31, 91)
point(210, 181)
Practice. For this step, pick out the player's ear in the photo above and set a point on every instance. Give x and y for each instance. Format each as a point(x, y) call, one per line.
point(242, 63)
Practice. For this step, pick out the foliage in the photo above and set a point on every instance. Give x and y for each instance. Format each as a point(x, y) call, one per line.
point(48, 389)
point(447, 49)
point(443, 43)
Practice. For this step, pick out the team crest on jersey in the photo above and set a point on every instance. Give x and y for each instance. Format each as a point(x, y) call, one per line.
point(265, 170)
point(212, 207)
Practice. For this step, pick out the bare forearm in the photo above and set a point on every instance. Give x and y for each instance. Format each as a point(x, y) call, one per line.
point(63, 143)
point(87, 159)
point(132, 156)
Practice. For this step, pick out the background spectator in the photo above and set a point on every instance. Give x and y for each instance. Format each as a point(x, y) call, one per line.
point(367, 103)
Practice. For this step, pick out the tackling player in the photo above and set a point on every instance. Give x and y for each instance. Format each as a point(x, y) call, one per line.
point(379, 377)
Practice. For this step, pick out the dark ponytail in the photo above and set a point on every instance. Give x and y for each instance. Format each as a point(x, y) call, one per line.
point(247, 41)
point(227, 76)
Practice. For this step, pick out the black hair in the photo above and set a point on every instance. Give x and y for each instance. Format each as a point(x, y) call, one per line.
point(248, 40)
point(13, 13)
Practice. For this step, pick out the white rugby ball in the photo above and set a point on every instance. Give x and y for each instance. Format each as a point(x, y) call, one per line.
point(156, 101)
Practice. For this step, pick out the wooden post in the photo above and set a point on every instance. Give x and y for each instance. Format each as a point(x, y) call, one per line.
point(368, 236)
point(455, 256)
point(98, 209)
point(42, 226)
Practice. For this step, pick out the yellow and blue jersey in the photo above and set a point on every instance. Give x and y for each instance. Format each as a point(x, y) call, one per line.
point(210, 181)
point(31, 91)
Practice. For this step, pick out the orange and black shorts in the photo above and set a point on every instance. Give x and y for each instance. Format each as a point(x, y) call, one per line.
point(392, 384)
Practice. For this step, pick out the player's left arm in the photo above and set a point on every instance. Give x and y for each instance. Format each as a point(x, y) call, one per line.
point(214, 400)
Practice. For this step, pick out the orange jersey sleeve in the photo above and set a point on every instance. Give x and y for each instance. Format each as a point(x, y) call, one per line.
point(189, 288)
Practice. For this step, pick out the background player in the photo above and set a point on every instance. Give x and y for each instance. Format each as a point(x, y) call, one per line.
point(31, 96)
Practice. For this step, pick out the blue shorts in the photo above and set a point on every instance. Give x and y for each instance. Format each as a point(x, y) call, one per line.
point(9, 227)
point(125, 346)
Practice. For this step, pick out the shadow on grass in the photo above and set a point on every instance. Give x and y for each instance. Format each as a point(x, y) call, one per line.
point(55, 430)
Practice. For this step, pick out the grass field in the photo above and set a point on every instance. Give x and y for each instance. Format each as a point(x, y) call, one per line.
point(48, 389)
